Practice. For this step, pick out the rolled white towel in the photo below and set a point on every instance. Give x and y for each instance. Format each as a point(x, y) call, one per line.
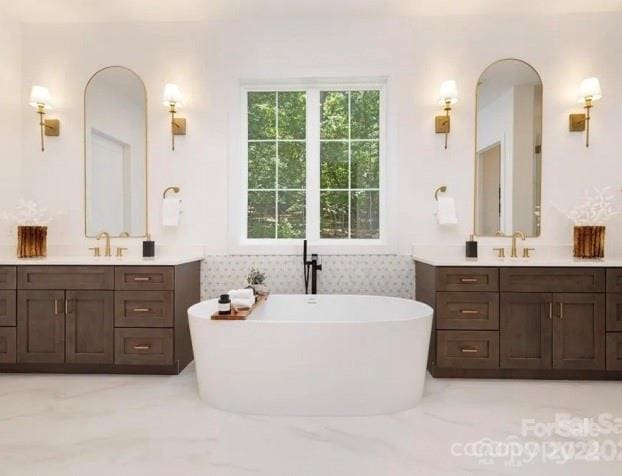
point(242, 294)
point(242, 303)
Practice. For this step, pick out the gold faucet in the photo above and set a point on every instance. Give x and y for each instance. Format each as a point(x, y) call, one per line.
point(107, 250)
point(517, 234)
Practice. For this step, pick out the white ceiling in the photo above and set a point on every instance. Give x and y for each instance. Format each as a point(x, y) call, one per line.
point(53, 11)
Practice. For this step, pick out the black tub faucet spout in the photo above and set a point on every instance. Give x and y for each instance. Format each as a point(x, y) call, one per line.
point(310, 269)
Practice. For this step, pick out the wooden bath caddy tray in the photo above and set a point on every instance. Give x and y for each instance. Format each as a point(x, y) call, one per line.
point(241, 314)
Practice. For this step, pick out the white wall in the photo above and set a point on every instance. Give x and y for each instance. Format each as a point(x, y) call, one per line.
point(208, 60)
point(10, 120)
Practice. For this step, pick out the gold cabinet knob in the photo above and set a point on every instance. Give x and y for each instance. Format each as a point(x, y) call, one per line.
point(96, 251)
point(120, 251)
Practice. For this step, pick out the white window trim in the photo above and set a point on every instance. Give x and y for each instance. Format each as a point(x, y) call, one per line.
point(239, 243)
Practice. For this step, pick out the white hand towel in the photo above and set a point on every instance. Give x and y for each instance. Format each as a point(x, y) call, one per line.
point(446, 211)
point(242, 303)
point(241, 294)
point(171, 209)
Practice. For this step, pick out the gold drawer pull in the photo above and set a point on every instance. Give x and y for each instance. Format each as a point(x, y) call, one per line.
point(468, 280)
point(142, 279)
point(142, 309)
point(466, 350)
point(142, 347)
point(468, 311)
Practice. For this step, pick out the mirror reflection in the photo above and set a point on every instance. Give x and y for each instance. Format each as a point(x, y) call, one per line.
point(508, 153)
point(115, 142)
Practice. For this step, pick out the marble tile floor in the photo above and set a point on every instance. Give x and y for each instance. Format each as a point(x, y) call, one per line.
point(156, 425)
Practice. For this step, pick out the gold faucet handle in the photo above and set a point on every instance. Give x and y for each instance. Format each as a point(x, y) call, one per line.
point(526, 252)
point(500, 252)
point(96, 251)
point(120, 251)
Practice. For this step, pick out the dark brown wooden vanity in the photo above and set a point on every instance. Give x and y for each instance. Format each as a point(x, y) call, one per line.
point(523, 322)
point(97, 319)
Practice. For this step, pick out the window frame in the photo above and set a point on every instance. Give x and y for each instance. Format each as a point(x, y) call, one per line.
point(312, 88)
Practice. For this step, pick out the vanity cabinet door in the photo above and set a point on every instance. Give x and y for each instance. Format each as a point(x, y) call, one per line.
point(614, 312)
point(614, 280)
point(41, 326)
point(7, 308)
point(525, 330)
point(90, 327)
point(7, 345)
point(614, 351)
point(579, 331)
point(8, 277)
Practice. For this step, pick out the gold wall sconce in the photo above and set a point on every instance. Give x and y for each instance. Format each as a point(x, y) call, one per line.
point(589, 92)
point(172, 99)
point(41, 100)
point(448, 97)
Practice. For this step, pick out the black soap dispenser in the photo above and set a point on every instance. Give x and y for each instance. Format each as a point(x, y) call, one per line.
point(148, 247)
point(471, 248)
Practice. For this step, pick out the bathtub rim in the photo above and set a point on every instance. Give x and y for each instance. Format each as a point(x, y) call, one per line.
point(429, 312)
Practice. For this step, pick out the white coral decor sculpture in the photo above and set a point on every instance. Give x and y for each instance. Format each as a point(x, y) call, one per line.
point(597, 208)
point(29, 213)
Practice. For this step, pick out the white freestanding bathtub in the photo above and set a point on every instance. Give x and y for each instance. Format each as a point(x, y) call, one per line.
point(314, 355)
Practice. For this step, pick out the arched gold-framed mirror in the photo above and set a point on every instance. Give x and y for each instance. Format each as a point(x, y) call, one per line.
point(508, 149)
point(115, 153)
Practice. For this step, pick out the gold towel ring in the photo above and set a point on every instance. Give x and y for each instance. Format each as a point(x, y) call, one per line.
point(442, 188)
point(175, 189)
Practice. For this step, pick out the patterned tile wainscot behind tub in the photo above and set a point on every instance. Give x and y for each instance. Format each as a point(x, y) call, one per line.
point(384, 275)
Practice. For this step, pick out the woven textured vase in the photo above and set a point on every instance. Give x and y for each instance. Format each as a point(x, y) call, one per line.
point(589, 241)
point(32, 241)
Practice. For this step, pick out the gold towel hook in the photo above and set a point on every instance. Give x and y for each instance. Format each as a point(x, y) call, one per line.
point(175, 189)
point(442, 188)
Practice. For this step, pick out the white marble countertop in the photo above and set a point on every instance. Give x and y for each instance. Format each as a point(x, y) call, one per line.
point(519, 262)
point(165, 260)
point(544, 256)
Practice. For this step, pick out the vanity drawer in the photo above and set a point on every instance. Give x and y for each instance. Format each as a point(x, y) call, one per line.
point(553, 280)
point(65, 277)
point(614, 351)
point(467, 279)
point(143, 346)
point(614, 280)
point(8, 345)
point(143, 309)
point(468, 349)
point(8, 277)
point(7, 307)
point(144, 278)
point(474, 310)
point(614, 312)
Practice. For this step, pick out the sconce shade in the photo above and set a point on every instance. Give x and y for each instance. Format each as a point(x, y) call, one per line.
point(172, 95)
point(448, 92)
point(590, 89)
point(40, 96)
